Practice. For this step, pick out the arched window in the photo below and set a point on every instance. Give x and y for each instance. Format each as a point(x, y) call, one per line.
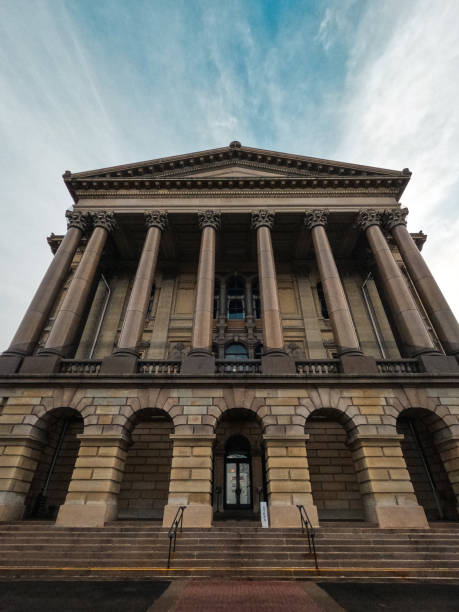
point(256, 303)
point(235, 292)
point(323, 304)
point(236, 352)
point(258, 350)
point(216, 298)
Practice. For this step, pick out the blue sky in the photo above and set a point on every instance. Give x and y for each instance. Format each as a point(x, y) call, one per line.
point(86, 84)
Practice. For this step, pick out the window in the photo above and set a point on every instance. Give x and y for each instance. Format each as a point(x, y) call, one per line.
point(235, 292)
point(323, 304)
point(256, 303)
point(151, 300)
point(216, 299)
point(258, 351)
point(236, 352)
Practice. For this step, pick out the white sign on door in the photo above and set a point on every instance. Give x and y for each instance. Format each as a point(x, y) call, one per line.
point(264, 514)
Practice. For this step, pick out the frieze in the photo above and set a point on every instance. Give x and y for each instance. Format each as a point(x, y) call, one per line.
point(368, 217)
point(262, 218)
point(156, 218)
point(392, 218)
point(104, 219)
point(209, 218)
point(318, 216)
point(77, 219)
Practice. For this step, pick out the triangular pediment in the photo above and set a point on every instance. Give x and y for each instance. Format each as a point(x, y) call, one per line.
point(235, 162)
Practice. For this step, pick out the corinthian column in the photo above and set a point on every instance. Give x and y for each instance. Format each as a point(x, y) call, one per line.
point(62, 335)
point(37, 314)
point(200, 359)
point(410, 325)
point(134, 320)
point(275, 358)
point(337, 306)
point(440, 314)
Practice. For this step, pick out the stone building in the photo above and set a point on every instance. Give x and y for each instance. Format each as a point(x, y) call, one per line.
point(230, 326)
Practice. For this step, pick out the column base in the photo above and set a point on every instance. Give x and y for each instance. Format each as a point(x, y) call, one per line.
point(198, 363)
point(439, 364)
point(277, 363)
point(41, 364)
point(397, 517)
point(288, 517)
point(195, 515)
point(353, 363)
point(119, 363)
point(86, 515)
point(9, 364)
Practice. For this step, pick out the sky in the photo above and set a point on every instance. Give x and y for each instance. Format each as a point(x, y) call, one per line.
point(87, 84)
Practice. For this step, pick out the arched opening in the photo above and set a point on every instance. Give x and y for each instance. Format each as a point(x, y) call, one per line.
point(54, 470)
point(216, 298)
point(236, 352)
point(235, 297)
point(427, 473)
point(334, 484)
point(239, 483)
point(258, 354)
point(145, 485)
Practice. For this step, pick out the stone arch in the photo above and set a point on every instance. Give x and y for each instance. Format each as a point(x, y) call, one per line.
point(58, 430)
point(334, 481)
point(145, 484)
point(424, 431)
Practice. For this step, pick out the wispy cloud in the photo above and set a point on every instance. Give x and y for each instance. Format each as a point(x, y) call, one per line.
point(88, 84)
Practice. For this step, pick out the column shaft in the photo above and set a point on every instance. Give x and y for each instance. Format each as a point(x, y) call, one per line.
point(272, 323)
point(338, 308)
point(62, 335)
point(437, 307)
point(203, 311)
point(406, 315)
point(134, 320)
point(35, 318)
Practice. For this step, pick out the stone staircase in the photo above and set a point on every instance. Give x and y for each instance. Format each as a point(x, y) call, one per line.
point(39, 550)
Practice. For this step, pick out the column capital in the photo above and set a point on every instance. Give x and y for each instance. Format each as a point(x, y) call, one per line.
point(77, 219)
point(395, 217)
point(318, 216)
point(209, 218)
point(104, 219)
point(262, 218)
point(368, 217)
point(156, 218)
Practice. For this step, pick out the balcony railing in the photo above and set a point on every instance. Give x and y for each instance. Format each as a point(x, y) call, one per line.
point(159, 368)
point(79, 366)
point(317, 367)
point(246, 366)
point(399, 366)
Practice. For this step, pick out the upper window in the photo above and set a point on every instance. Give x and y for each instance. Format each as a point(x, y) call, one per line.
point(235, 296)
point(256, 303)
point(236, 352)
point(323, 303)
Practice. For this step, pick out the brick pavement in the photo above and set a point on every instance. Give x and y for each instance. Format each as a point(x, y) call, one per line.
point(244, 596)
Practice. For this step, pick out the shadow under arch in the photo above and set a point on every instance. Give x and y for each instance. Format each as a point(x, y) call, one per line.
point(144, 488)
point(58, 429)
point(239, 473)
point(334, 484)
point(421, 430)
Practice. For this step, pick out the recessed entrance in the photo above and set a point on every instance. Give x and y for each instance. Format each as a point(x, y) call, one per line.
point(238, 482)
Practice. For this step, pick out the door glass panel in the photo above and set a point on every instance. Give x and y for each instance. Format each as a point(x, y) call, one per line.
point(244, 484)
point(231, 483)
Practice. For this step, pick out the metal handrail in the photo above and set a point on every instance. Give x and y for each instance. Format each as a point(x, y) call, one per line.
point(172, 533)
point(310, 532)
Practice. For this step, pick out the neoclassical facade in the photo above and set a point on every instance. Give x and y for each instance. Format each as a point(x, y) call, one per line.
point(227, 327)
